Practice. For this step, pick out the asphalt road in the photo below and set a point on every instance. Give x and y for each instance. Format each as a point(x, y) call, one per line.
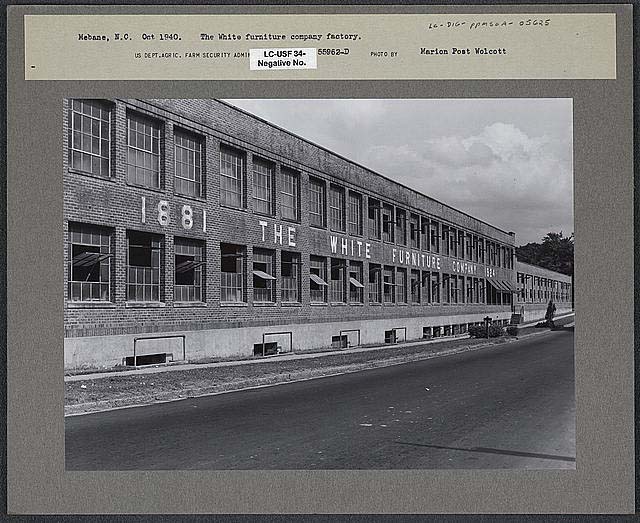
point(511, 406)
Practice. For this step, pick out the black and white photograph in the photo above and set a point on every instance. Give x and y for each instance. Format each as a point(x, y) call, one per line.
point(318, 284)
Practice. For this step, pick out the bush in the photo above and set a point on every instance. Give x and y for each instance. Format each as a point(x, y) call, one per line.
point(479, 331)
point(512, 330)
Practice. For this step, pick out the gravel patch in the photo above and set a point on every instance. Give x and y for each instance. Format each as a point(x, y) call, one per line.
point(94, 395)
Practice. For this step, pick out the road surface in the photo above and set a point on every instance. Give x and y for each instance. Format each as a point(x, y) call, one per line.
point(511, 406)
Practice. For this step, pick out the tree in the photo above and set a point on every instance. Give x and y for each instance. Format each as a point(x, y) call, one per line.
point(554, 253)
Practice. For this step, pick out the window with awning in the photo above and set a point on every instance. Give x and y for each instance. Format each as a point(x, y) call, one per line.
point(263, 265)
point(356, 292)
point(317, 279)
point(90, 263)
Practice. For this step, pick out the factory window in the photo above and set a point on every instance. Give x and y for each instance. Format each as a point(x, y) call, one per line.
point(188, 168)
point(189, 268)
point(355, 213)
point(263, 278)
point(316, 202)
point(415, 286)
point(445, 240)
point(481, 289)
point(374, 219)
point(453, 242)
point(387, 223)
point(470, 298)
point(461, 244)
point(356, 287)
point(318, 279)
point(262, 187)
point(291, 273)
point(468, 247)
point(143, 160)
point(424, 233)
point(481, 250)
point(434, 229)
point(435, 287)
point(401, 285)
point(475, 249)
point(232, 177)
point(461, 290)
point(143, 266)
point(91, 137)
point(453, 288)
point(232, 270)
point(89, 263)
point(336, 208)
point(389, 284)
point(401, 226)
point(426, 287)
point(374, 283)
point(290, 194)
point(337, 281)
point(414, 231)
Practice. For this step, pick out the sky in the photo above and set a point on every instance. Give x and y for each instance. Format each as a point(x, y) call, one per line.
point(508, 162)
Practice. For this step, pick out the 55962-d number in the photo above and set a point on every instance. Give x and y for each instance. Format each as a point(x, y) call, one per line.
point(334, 52)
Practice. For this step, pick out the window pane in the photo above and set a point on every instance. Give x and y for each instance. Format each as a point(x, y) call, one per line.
point(90, 125)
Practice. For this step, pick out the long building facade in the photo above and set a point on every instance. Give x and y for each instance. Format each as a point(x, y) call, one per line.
point(194, 230)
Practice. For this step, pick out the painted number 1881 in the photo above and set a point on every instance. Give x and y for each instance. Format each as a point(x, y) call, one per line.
point(162, 214)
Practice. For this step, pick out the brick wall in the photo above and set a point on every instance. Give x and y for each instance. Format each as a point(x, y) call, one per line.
point(115, 204)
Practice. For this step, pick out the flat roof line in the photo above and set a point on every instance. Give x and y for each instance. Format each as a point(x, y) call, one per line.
point(275, 126)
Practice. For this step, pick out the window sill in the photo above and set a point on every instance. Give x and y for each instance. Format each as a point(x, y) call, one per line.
point(146, 187)
point(91, 175)
point(144, 304)
point(264, 215)
point(356, 304)
point(185, 304)
point(314, 226)
point(291, 304)
point(264, 303)
point(231, 208)
point(91, 305)
point(318, 304)
point(291, 220)
point(375, 304)
point(234, 304)
point(200, 199)
point(337, 303)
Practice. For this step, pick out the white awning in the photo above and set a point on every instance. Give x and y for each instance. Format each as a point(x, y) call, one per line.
point(263, 275)
point(356, 283)
point(86, 259)
point(317, 279)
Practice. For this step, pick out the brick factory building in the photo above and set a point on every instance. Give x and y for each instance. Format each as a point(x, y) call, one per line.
point(194, 230)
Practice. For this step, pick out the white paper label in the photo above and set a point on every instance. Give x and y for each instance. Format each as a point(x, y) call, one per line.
point(282, 58)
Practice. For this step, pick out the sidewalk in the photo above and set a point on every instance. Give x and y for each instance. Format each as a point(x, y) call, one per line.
point(109, 390)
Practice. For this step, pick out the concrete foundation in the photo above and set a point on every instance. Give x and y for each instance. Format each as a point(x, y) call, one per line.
point(110, 351)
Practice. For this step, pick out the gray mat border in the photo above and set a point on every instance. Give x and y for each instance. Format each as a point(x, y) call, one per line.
point(65, 488)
